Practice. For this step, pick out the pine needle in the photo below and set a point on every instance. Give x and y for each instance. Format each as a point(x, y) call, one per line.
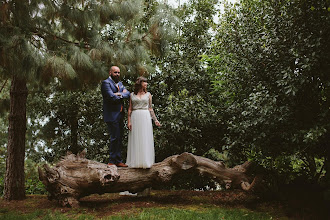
point(57, 66)
point(80, 60)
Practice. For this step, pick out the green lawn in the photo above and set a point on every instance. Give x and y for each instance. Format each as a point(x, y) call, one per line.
point(149, 213)
point(163, 204)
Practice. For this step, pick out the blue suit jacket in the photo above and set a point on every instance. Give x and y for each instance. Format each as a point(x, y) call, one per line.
point(111, 102)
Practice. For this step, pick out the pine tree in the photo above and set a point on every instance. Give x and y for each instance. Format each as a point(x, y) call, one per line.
point(71, 41)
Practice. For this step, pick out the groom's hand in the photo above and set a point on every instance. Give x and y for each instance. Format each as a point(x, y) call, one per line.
point(118, 94)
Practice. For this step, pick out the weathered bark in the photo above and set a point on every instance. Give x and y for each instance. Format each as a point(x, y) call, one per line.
point(14, 180)
point(75, 177)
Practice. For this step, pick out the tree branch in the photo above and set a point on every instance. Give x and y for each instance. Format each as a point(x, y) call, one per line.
point(3, 86)
point(58, 37)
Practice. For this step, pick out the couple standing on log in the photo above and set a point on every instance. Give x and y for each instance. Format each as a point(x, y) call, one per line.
point(140, 151)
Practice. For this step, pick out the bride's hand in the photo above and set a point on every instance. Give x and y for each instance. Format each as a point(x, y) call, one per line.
point(129, 125)
point(157, 123)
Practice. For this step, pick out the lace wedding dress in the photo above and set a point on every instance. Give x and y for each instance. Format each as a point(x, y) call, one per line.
point(140, 150)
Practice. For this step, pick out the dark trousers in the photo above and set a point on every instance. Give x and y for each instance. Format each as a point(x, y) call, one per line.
point(115, 130)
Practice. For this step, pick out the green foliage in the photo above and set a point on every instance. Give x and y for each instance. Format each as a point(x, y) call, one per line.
point(84, 108)
point(191, 181)
point(60, 45)
point(188, 125)
point(254, 87)
point(51, 41)
point(32, 183)
point(181, 88)
point(62, 121)
point(72, 121)
point(269, 66)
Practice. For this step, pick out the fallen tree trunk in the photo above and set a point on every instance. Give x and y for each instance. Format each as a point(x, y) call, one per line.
point(75, 176)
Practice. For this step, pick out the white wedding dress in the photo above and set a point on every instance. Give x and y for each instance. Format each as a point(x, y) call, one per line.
point(140, 150)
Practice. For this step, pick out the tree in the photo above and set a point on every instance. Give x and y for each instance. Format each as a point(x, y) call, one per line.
point(182, 89)
point(43, 40)
point(269, 67)
point(57, 131)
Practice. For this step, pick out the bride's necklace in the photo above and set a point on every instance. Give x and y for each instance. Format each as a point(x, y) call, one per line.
point(140, 94)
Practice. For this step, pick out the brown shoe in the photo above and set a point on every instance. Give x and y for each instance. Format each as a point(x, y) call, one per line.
point(111, 164)
point(121, 165)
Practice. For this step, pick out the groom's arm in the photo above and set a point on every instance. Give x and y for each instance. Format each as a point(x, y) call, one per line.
point(125, 93)
point(107, 92)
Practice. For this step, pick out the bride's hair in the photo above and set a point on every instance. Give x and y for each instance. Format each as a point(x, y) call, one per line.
point(138, 84)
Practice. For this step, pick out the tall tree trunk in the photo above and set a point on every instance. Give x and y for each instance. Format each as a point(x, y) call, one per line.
point(327, 166)
point(15, 178)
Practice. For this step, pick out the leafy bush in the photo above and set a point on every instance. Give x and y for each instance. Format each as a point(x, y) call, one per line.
point(32, 183)
point(270, 66)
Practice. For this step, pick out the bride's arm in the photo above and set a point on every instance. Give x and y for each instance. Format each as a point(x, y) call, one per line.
point(152, 113)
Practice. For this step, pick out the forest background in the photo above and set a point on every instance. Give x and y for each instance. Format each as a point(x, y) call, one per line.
point(230, 82)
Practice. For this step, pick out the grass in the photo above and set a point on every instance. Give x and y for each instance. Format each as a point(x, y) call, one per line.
point(45, 215)
point(166, 204)
point(184, 214)
point(14, 215)
point(148, 214)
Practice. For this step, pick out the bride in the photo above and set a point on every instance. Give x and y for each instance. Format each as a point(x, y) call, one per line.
point(140, 151)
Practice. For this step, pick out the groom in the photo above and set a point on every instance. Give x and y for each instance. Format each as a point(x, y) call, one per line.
point(113, 93)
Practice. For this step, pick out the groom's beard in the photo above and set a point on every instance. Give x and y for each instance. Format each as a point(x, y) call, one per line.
point(115, 78)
